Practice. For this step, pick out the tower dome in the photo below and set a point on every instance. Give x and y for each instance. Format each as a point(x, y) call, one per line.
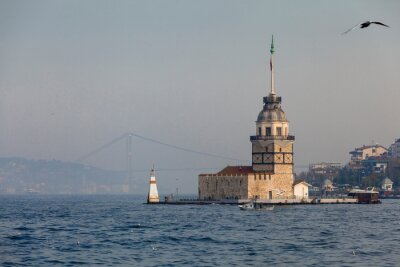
point(272, 123)
point(272, 113)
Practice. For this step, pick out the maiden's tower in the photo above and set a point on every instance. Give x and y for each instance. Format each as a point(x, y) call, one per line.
point(271, 174)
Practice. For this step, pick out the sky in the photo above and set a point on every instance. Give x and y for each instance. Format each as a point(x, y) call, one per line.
point(75, 75)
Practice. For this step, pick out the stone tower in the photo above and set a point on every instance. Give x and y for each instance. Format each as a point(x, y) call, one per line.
point(272, 146)
point(271, 174)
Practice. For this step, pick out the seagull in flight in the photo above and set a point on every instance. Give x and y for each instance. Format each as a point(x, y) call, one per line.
point(365, 25)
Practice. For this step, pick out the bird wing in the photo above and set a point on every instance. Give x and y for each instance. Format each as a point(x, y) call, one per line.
point(349, 30)
point(379, 23)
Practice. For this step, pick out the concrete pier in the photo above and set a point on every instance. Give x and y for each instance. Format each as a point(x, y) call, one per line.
point(309, 201)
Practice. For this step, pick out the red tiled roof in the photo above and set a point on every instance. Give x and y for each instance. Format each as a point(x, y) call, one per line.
point(232, 170)
point(366, 147)
point(229, 170)
point(235, 170)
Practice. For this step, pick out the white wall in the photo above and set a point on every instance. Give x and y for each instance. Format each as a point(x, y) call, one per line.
point(301, 190)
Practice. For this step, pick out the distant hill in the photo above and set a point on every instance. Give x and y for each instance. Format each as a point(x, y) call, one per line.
point(20, 175)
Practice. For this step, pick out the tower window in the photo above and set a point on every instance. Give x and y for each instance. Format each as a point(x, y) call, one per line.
point(268, 131)
point(259, 130)
point(278, 130)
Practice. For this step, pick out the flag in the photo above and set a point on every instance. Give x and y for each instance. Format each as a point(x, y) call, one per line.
point(272, 50)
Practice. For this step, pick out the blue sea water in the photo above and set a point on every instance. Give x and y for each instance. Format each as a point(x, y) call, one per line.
point(120, 231)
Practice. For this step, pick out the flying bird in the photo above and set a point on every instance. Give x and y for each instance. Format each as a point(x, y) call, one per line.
point(365, 25)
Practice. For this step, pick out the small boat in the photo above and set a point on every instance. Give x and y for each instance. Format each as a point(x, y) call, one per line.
point(369, 196)
point(247, 206)
point(255, 206)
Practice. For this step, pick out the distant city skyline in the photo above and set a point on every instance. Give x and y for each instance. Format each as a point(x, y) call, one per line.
point(75, 75)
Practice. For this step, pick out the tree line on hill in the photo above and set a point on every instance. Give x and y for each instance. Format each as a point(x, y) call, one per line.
point(20, 175)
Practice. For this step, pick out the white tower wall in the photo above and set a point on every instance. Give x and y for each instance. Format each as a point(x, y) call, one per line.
point(153, 192)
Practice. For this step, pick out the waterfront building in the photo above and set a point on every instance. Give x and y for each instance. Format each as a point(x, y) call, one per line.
point(271, 173)
point(361, 153)
point(394, 150)
point(366, 160)
point(323, 170)
point(387, 184)
point(375, 164)
point(300, 189)
point(327, 185)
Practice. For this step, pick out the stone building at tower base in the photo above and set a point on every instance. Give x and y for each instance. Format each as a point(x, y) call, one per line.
point(241, 182)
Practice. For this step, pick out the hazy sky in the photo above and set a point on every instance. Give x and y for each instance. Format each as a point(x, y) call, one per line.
point(76, 74)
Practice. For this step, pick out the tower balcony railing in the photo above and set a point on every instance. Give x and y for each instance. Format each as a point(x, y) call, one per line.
point(271, 137)
point(272, 99)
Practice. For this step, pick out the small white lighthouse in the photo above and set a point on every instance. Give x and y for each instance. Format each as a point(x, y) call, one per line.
point(153, 192)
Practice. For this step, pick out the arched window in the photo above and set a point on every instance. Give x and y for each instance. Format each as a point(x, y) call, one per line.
point(279, 131)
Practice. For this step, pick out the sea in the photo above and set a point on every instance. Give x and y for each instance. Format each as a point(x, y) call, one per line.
point(119, 230)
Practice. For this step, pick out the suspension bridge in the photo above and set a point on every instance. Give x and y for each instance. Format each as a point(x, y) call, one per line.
point(127, 138)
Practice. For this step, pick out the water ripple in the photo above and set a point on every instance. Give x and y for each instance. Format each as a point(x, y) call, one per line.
point(119, 230)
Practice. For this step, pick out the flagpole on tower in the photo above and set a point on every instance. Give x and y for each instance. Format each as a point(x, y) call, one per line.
point(271, 64)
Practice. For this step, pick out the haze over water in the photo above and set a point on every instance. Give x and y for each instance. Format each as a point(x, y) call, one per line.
point(120, 230)
point(74, 75)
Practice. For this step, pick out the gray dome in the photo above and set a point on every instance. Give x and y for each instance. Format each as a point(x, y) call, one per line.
point(327, 182)
point(272, 114)
point(387, 181)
